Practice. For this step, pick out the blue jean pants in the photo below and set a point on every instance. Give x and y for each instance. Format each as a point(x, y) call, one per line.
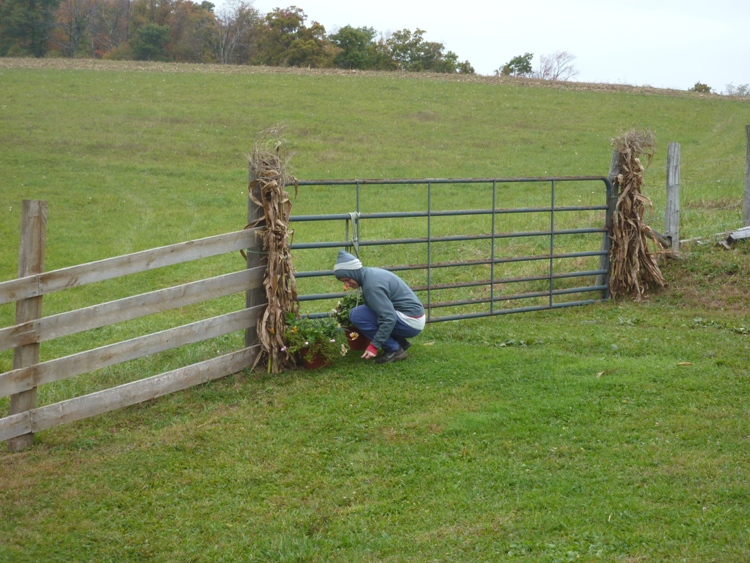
point(366, 321)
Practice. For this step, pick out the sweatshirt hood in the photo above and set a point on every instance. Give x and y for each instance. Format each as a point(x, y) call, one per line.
point(348, 266)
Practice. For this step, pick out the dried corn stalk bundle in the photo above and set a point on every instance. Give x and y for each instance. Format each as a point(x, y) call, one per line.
point(268, 180)
point(633, 265)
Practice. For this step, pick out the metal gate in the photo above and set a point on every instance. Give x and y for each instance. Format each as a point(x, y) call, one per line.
point(523, 244)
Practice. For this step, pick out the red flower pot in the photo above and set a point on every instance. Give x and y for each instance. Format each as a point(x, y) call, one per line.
point(357, 340)
point(317, 360)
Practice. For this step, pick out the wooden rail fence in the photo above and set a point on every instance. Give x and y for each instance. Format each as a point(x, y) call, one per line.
point(31, 328)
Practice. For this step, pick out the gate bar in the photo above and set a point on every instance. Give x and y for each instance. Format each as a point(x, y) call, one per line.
point(601, 273)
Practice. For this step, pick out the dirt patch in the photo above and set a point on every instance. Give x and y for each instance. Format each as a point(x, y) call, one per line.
point(426, 116)
point(721, 203)
point(710, 278)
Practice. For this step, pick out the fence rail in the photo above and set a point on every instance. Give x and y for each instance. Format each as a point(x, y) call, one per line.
point(30, 331)
point(43, 283)
point(50, 416)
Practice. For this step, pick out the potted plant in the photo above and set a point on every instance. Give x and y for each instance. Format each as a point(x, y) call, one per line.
point(316, 341)
point(352, 299)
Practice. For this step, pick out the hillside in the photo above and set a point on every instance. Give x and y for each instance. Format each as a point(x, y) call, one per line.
point(609, 432)
point(134, 66)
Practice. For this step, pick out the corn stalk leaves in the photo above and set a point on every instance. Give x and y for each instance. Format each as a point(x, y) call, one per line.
point(267, 191)
point(634, 268)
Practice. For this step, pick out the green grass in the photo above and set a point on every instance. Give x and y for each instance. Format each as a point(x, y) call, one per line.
point(141, 159)
point(136, 160)
point(615, 432)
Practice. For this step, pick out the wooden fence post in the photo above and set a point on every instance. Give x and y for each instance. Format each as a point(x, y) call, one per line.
point(746, 205)
point(30, 262)
point(255, 296)
point(614, 170)
point(672, 214)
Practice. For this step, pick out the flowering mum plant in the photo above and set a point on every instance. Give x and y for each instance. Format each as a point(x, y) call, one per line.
point(345, 306)
point(314, 336)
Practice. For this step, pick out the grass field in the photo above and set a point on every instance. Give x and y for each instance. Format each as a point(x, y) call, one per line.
point(615, 432)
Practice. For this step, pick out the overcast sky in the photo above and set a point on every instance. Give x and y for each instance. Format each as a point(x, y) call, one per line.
point(660, 43)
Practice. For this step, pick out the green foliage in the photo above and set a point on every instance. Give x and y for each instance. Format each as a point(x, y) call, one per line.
point(464, 67)
point(357, 47)
point(280, 29)
point(25, 26)
point(344, 307)
point(149, 42)
point(518, 66)
point(407, 50)
point(449, 63)
point(284, 40)
point(314, 336)
point(193, 33)
point(700, 88)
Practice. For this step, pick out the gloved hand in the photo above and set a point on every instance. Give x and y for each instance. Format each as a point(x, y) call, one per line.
point(370, 352)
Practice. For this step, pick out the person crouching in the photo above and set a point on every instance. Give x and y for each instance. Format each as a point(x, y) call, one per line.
point(391, 313)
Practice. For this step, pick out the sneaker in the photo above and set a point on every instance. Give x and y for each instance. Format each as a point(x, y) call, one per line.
point(395, 356)
point(405, 344)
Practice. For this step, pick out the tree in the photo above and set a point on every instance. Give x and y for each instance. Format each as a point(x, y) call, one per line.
point(357, 47)
point(110, 26)
point(742, 91)
point(381, 57)
point(464, 67)
point(449, 63)
point(405, 50)
point(312, 48)
point(284, 40)
point(235, 21)
point(444, 62)
point(25, 26)
point(517, 66)
point(276, 34)
point(74, 20)
point(700, 87)
point(557, 66)
point(149, 42)
point(192, 33)
point(151, 11)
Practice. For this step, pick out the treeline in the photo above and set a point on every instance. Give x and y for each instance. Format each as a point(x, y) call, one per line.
point(186, 31)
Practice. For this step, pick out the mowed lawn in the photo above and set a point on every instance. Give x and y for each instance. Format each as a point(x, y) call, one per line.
point(602, 433)
point(614, 432)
